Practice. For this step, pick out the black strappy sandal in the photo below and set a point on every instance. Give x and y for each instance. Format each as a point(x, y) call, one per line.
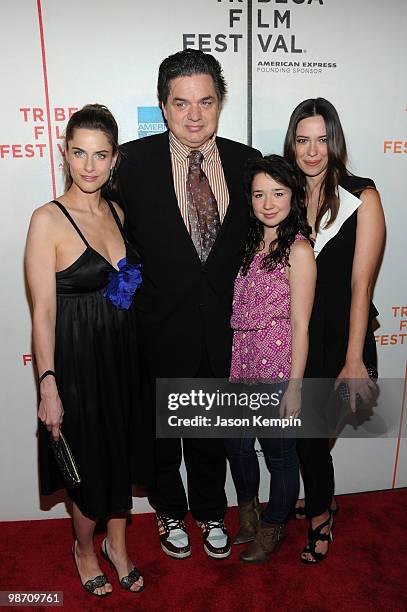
point(94, 583)
point(127, 581)
point(314, 536)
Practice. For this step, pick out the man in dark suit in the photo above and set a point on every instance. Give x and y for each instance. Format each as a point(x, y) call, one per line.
point(187, 214)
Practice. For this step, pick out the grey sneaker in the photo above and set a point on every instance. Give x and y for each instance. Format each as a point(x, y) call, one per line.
point(215, 538)
point(173, 536)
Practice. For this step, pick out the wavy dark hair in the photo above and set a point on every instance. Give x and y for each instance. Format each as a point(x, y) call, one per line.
point(186, 63)
point(337, 153)
point(94, 117)
point(295, 223)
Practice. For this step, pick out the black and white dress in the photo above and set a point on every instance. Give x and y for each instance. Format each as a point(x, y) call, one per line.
point(329, 334)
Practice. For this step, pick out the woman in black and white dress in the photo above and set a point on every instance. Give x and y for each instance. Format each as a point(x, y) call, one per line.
point(347, 221)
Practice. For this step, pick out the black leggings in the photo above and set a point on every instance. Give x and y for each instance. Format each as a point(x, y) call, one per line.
point(318, 474)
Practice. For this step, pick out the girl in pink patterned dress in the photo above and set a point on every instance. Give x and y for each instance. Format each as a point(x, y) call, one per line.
point(272, 304)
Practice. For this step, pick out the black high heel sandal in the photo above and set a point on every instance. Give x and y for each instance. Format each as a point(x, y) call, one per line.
point(94, 583)
point(314, 536)
point(127, 581)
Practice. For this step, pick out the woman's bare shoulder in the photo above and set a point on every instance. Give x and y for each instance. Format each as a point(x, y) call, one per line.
point(47, 219)
point(301, 248)
point(44, 214)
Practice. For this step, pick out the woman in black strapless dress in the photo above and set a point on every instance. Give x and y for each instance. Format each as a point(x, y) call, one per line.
point(347, 222)
point(84, 334)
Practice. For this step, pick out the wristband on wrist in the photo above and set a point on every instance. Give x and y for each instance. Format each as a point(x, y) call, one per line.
point(45, 374)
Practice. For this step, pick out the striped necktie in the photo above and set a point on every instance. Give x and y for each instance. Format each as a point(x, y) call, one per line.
point(203, 211)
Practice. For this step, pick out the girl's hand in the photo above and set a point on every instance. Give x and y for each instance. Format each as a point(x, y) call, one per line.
point(50, 410)
point(356, 377)
point(290, 405)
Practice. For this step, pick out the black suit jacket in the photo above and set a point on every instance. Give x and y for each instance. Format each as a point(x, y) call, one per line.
point(181, 303)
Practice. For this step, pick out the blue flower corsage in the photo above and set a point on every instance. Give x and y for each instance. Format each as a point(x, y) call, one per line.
point(123, 284)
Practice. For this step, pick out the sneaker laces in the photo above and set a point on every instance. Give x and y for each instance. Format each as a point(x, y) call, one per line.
point(213, 524)
point(171, 523)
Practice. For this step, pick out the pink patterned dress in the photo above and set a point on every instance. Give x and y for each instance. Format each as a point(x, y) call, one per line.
point(261, 322)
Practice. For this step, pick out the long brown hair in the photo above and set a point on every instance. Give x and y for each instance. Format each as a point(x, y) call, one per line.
point(337, 154)
point(93, 117)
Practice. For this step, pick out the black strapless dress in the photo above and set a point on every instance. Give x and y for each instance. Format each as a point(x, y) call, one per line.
point(97, 373)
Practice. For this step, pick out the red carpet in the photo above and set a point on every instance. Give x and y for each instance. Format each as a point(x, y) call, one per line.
point(365, 571)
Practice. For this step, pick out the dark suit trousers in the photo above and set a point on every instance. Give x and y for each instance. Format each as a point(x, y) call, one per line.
point(205, 462)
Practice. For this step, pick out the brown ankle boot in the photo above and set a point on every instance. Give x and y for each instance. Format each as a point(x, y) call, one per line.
point(249, 514)
point(267, 541)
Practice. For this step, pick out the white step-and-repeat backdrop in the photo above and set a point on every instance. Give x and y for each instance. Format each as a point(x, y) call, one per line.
point(57, 56)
